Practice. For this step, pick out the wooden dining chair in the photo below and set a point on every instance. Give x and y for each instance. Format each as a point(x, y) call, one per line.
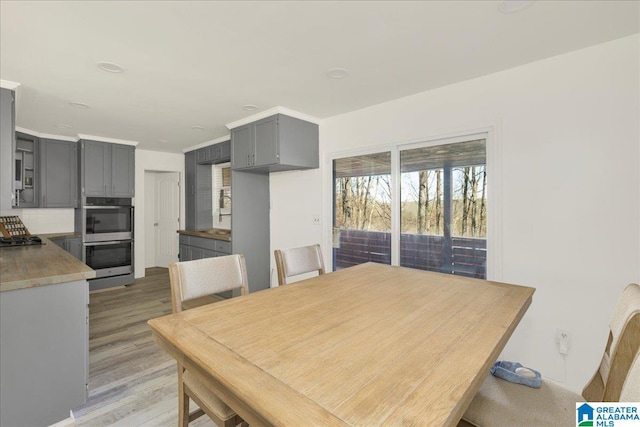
point(292, 262)
point(193, 280)
point(500, 403)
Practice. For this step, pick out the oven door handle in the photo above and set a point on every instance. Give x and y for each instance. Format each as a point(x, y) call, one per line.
point(112, 242)
point(106, 207)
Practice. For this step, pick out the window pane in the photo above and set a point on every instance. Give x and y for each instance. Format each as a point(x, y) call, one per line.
point(362, 210)
point(443, 208)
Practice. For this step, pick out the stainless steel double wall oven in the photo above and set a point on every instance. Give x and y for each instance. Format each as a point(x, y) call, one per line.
point(107, 237)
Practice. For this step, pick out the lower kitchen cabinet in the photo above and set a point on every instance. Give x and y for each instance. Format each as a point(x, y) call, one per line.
point(73, 245)
point(192, 248)
point(45, 350)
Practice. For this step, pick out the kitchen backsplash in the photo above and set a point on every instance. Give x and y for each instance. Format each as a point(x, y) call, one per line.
point(40, 221)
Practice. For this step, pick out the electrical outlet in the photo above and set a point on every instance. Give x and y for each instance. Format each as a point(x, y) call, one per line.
point(316, 220)
point(563, 338)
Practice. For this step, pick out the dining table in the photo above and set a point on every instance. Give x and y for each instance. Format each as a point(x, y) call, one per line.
point(367, 345)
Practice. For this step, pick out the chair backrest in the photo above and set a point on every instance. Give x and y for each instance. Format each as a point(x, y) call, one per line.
point(621, 350)
point(194, 279)
point(292, 262)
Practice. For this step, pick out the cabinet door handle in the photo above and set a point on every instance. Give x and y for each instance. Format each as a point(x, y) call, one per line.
point(248, 162)
point(105, 189)
point(253, 159)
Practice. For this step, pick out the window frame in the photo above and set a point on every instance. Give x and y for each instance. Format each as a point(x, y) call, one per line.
point(494, 183)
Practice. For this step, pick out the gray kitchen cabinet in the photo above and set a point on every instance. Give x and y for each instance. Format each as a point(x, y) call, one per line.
point(250, 226)
point(198, 196)
point(213, 154)
point(242, 142)
point(190, 189)
point(192, 248)
point(107, 169)
point(204, 197)
point(44, 352)
point(122, 170)
point(95, 165)
point(275, 143)
point(73, 245)
point(7, 148)
point(26, 181)
point(58, 180)
point(184, 253)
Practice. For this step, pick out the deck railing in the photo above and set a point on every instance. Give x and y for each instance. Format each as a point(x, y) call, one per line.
point(464, 256)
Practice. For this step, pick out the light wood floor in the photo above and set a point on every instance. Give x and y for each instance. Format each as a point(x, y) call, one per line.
point(132, 381)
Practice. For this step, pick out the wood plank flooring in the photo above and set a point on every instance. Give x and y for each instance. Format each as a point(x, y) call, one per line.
point(132, 381)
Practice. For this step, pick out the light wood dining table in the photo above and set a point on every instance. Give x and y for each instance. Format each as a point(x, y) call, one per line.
point(365, 346)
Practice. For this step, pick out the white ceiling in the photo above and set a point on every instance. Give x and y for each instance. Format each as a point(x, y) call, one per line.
point(197, 63)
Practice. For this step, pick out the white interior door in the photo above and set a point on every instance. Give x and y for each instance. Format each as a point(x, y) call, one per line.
point(167, 218)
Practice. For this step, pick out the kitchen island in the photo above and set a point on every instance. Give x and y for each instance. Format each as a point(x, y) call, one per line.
point(44, 334)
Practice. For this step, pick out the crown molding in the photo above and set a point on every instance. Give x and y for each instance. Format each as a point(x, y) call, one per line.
point(271, 112)
point(206, 144)
point(105, 139)
point(46, 135)
point(6, 84)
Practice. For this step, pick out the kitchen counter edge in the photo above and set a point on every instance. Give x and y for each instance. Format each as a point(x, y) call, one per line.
point(33, 266)
point(207, 234)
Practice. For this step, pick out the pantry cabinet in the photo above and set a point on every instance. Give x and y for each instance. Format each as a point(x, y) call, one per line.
point(198, 197)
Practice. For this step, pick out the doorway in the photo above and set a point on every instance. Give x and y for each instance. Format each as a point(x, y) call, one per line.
point(162, 218)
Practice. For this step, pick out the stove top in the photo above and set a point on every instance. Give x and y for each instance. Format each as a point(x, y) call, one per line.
point(12, 242)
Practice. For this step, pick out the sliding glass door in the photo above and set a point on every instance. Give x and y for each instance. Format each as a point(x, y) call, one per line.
point(443, 208)
point(441, 203)
point(362, 210)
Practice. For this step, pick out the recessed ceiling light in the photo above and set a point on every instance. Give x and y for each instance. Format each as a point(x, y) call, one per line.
point(337, 73)
point(513, 6)
point(63, 126)
point(80, 105)
point(250, 107)
point(198, 128)
point(164, 141)
point(110, 67)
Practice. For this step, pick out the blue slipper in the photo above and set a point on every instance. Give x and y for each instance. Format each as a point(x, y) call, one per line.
point(514, 372)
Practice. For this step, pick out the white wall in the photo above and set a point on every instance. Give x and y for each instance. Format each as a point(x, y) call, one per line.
point(152, 161)
point(568, 132)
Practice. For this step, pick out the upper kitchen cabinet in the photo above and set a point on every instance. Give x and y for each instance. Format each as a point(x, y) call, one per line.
point(26, 183)
point(275, 143)
point(107, 170)
point(58, 178)
point(213, 154)
point(7, 147)
point(122, 170)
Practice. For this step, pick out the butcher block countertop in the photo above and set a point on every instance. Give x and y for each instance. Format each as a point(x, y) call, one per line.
point(211, 233)
point(31, 266)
